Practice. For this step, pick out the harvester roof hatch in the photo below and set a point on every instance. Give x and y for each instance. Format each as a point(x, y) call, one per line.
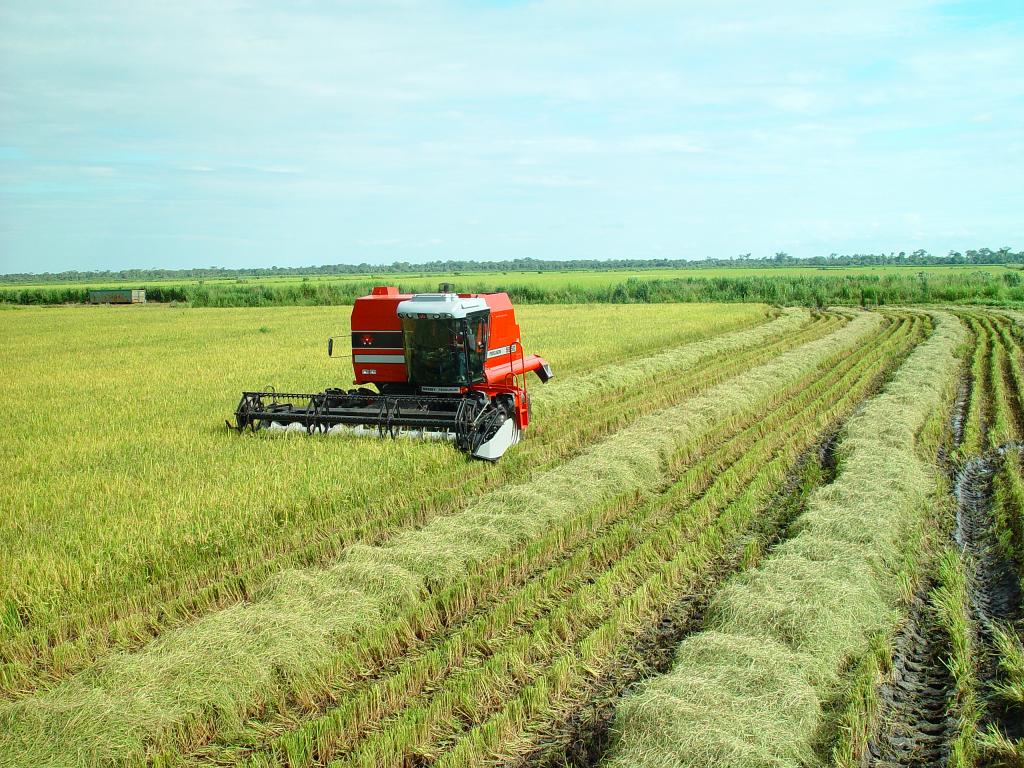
point(435, 305)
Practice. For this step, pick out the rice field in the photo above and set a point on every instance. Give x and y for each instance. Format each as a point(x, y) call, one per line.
point(541, 279)
point(732, 536)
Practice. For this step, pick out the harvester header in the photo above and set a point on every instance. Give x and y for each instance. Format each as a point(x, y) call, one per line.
point(444, 366)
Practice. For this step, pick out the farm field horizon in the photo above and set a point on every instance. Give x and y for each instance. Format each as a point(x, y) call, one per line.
point(737, 514)
point(992, 285)
point(427, 280)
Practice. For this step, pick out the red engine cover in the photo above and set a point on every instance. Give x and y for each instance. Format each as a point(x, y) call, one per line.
point(378, 354)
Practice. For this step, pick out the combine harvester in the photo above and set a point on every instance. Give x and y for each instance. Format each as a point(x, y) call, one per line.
point(446, 366)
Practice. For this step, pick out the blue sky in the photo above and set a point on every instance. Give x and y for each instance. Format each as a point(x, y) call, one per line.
point(232, 134)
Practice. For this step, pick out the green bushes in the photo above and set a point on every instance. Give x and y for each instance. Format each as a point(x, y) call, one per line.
point(773, 287)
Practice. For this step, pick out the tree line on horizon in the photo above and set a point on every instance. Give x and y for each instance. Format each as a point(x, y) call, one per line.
point(970, 286)
point(921, 257)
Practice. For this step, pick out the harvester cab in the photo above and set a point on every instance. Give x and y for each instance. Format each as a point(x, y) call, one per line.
point(443, 366)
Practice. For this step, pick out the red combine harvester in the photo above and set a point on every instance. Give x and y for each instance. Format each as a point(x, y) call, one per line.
point(446, 366)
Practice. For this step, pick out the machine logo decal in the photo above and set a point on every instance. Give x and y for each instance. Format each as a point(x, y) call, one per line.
point(369, 340)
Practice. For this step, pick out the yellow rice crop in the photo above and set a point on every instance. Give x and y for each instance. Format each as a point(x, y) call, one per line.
point(119, 472)
point(211, 673)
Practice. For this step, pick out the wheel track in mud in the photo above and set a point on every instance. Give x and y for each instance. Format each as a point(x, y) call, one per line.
point(993, 588)
point(992, 585)
point(916, 723)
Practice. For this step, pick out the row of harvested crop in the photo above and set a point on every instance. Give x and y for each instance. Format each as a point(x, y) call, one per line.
point(207, 677)
point(750, 689)
point(995, 416)
point(567, 421)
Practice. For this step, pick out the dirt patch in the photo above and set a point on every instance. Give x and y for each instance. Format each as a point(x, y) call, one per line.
point(916, 722)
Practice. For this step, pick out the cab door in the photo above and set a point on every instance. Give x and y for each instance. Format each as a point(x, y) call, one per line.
point(477, 330)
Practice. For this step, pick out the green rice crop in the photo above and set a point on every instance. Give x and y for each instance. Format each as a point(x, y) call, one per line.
point(549, 278)
point(792, 285)
point(748, 690)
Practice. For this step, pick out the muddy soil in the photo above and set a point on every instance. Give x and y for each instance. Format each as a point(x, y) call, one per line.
point(958, 418)
point(992, 584)
point(915, 723)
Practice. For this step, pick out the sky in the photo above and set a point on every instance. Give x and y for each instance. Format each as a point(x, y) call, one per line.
point(201, 133)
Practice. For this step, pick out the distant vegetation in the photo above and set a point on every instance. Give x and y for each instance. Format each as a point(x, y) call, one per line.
point(982, 256)
point(999, 285)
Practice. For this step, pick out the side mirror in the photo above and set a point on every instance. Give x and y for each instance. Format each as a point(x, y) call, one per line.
point(330, 347)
